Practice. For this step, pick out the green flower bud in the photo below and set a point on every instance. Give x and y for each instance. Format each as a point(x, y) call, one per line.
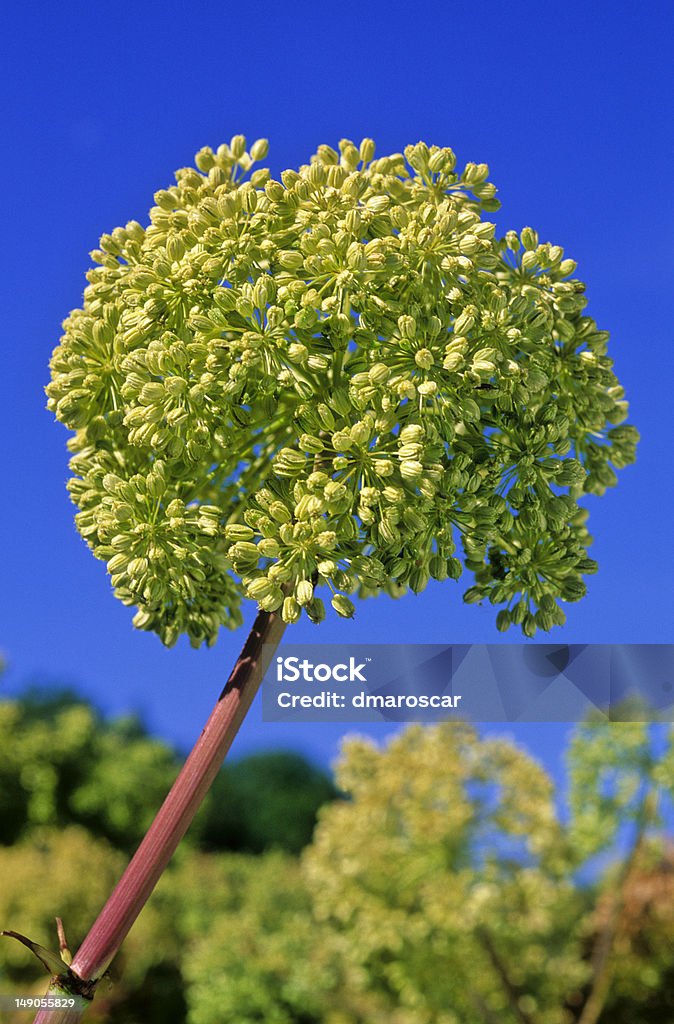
point(244, 552)
point(438, 568)
point(312, 445)
point(291, 611)
point(118, 563)
point(388, 533)
point(279, 512)
point(512, 241)
point(205, 159)
point(475, 174)
point(452, 361)
point(316, 610)
point(378, 203)
point(529, 625)
point(417, 156)
point(413, 521)
point(260, 588)
point(383, 468)
point(418, 580)
point(343, 606)
point(280, 573)
point(238, 146)
point(289, 462)
point(342, 440)
point(573, 588)
point(360, 433)
point(175, 248)
point(503, 620)
point(269, 548)
point(379, 373)
point(367, 150)
point(272, 601)
point(544, 620)
point(275, 191)
point(437, 161)
point(424, 358)
point(411, 469)
point(304, 592)
point(407, 326)
point(259, 149)
point(465, 321)
point(529, 238)
point(260, 177)
point(290, 260)
point(298, 352)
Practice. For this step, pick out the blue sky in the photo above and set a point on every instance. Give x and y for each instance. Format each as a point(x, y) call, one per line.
point(569, 104)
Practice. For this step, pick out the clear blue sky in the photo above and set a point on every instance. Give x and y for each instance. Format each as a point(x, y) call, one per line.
point(571, 106)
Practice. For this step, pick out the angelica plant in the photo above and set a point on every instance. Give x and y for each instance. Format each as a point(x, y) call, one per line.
point(341, 379)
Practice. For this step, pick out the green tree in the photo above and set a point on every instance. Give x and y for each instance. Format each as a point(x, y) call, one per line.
point(62, 762)
point(457, 885)
point(257, 953)
point(263, 801)
point(642, 963)
point(259, 911)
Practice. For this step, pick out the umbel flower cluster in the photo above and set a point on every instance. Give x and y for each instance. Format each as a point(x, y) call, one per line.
point(342, 379)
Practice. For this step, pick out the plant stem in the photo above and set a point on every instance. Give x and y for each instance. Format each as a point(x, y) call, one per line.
point(512, 991)
point(172, 820)
point(602, 973)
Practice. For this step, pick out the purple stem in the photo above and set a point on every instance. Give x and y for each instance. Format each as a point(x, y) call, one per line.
point(174, 816)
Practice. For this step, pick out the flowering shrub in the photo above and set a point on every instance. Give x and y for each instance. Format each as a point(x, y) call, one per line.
point(342, 377)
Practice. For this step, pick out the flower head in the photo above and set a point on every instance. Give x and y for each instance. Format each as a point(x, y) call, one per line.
point(342, 377)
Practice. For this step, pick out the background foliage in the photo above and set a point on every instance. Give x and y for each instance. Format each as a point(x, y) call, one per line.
point(448, 881)
point(62, 763)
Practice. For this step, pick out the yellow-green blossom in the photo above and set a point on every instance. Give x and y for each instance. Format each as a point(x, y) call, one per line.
point(334, 378)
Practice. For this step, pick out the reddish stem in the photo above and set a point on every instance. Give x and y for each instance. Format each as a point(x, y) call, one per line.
point(175, 815)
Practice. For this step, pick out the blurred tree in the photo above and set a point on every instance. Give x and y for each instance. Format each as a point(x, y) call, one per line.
point(61, 762)
point(642, 982)
point(260, 955)
point(77, 790)
point(458, 887)
point(263, 801)
point(620, 777)
point(251, 962)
